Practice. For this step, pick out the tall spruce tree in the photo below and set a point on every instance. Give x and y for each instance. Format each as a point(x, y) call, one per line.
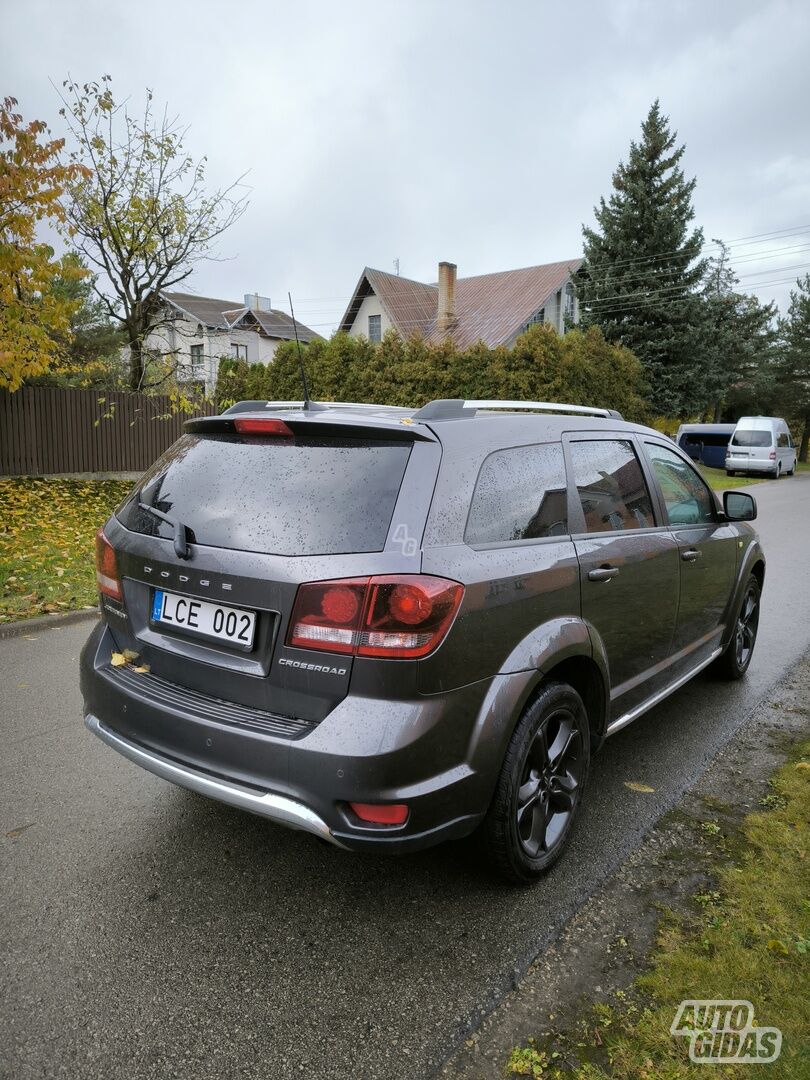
point(793, 367)
point(740, 336)
point(643, 268)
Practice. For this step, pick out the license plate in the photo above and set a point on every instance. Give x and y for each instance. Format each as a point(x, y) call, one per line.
point(232, 625)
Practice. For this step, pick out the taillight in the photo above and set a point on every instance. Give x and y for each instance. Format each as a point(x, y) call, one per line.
point(772, 455)
point(398, 617)
point(327, 615)
point(262, 425)
point(107, 577)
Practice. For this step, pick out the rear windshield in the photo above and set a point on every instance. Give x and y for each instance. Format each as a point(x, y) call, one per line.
point(694, 438)
point(279, 496)
point(751, 437)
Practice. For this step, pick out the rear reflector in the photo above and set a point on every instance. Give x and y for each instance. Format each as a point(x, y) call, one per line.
point(381, 813)
point(107, 577)
point(395, 617)
point(261, 426)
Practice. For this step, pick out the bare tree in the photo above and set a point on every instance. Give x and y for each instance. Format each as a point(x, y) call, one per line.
point(141, 213)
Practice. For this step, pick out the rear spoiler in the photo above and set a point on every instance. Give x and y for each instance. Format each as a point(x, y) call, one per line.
point(320, 423)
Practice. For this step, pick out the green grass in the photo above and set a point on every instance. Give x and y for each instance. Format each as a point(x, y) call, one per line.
point(748, 938)
point(718, 481)
point(47, 538)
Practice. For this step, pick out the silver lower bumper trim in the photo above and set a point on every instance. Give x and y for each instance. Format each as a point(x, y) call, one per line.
point(266, 804)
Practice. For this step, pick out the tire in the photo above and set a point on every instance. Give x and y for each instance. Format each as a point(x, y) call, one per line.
point(540, 786)
point(730, 472)
point(734, 661)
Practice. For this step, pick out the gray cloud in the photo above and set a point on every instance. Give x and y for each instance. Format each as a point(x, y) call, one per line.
point(469, 130)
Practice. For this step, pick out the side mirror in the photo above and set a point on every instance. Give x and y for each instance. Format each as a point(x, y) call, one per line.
point(739, 506)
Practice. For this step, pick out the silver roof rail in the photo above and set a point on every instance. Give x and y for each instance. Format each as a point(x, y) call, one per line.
point(544, 406)
point(457, 408)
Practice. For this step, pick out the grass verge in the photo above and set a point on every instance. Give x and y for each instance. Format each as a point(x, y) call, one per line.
point(47, 536)
point(718, 481)
point(748, 938)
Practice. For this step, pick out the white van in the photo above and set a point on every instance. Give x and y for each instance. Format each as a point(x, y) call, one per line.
point(761, 444)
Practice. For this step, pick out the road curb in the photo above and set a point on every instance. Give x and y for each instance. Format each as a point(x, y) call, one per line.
point(45, 622)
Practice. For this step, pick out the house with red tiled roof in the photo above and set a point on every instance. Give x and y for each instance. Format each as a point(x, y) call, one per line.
point(493, 308)
point(198, 331)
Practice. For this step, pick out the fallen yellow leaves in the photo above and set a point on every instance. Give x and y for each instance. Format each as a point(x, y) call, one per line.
point(47, 532)
point(128, 658)
point(634, 785)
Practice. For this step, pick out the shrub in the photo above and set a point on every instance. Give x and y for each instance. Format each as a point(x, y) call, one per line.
point(580, 367)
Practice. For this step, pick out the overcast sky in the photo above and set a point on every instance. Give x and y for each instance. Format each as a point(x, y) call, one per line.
point(476, 131)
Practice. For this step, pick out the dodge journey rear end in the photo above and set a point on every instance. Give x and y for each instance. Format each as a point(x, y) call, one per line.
point(391, 627)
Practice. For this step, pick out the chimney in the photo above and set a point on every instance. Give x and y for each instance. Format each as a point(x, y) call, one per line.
point(256, 302)
point(446, 315)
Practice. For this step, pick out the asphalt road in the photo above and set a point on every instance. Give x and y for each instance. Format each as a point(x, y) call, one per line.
point(148, 932)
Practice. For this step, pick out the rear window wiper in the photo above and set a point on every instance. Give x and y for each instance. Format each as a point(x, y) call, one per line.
point(180, 530)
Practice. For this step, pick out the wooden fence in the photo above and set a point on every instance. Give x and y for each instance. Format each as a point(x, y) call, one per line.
point(45, 431)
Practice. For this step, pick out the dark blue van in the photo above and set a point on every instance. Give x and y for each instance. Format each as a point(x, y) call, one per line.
point(705, 442)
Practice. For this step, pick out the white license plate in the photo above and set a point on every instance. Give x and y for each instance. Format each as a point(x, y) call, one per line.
point(230, 624)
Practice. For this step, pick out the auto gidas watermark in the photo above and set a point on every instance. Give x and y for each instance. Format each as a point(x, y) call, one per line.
point(725, 1033)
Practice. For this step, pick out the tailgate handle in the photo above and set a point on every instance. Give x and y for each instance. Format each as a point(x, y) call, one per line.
point(604, 573)
point(691, 555)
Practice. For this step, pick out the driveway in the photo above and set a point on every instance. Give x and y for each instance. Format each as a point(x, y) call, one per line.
point(148, 932)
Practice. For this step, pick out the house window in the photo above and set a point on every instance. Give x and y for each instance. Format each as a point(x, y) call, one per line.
point(375, 328)
point(537, 319)
point(238, 352)
point(196, 361)
point(569, 309)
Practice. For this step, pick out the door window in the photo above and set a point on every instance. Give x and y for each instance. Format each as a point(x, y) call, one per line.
point(784, 439)
point(611, 486)
point(687, 499)
point(520, 494)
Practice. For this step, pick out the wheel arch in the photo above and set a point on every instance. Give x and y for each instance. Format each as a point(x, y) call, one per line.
point(585, 675)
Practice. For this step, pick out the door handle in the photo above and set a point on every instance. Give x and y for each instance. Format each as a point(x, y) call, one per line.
point(604, 573)
point(691, 555)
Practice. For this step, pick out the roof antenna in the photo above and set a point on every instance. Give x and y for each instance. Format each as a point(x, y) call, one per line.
point(300, 357)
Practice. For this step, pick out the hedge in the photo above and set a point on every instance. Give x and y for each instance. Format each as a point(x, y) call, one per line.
point(580, 368)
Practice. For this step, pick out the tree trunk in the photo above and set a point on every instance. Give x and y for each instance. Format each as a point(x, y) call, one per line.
point(805, 439)
point(136, 365)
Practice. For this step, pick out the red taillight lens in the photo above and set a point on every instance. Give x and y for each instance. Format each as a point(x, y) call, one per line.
point(107, 577)
point(381, 813)
point(399, 617)
point(408, 616)
point(261, 426)
point(327, 615)
point(772, 455)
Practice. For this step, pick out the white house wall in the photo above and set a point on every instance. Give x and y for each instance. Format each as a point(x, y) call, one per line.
point(370, 306)
point(177, 337)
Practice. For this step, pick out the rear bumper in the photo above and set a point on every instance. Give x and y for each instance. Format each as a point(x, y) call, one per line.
point(751, 465)
point(264, 803)
point(440, 754)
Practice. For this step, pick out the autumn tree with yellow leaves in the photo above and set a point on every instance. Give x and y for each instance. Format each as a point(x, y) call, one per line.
point(33, 317)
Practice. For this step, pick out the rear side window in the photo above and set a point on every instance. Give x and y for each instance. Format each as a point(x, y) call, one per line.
point(611, 486)
point(784, 439)
point(300, 496)
point(751, 437)
point(520, 494)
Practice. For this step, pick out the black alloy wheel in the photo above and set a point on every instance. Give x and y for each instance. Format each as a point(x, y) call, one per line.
point(734, 661)
point(540, 785)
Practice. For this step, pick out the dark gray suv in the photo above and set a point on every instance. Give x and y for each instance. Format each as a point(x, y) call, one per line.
point(389, 628)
